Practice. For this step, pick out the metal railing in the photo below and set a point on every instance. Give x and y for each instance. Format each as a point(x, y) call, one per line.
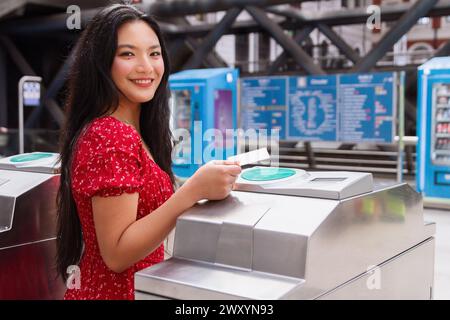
point(375, 158)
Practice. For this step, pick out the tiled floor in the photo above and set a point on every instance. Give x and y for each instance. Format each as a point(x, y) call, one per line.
point(442, 253)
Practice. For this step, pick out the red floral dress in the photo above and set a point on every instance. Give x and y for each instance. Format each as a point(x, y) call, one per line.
point(109, 160)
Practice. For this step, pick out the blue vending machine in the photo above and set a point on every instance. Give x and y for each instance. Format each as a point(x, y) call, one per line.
point(433, 128)
point(203, 106)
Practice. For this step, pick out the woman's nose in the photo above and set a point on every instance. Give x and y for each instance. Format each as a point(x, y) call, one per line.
point(145, 65)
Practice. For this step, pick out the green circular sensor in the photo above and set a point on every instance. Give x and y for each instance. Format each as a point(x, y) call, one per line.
point(30, 157)
point(267, 174)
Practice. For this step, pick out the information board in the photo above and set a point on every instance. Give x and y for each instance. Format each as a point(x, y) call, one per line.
point(367, 107)
point(264, 104)
point(31, 93)
point(345, 107)
point(312, 108)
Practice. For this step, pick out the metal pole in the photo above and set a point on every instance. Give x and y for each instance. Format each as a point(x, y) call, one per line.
point(21, 134)
point(401, 125)
point(21, 127)
point(3, 90)
point(310, 154)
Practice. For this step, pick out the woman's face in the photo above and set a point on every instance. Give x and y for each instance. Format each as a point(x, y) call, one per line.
point(138, 65)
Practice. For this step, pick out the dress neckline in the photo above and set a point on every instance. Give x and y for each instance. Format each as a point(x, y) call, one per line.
point(137, 133)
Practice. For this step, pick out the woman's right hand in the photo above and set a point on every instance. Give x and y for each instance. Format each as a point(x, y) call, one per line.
point(212, 181)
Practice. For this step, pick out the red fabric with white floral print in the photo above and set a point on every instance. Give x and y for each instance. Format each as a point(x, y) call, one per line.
point(110, 160)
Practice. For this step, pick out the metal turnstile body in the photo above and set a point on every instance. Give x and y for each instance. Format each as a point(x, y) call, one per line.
point(343, 241)
point(27, 235)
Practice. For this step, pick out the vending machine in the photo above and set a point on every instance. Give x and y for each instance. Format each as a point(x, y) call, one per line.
point(204, 116)
point(433, 129)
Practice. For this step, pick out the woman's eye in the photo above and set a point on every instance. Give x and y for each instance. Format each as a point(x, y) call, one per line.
point(155, 54)
point(126, 54)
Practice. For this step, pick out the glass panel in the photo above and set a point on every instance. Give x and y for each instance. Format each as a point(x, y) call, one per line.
point(223, 115)
point(180, 105)
point(440, 143)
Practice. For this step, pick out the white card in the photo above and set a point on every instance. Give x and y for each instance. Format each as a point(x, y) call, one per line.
point(251, 156)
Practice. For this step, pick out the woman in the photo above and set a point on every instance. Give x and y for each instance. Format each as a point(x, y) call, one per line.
point(116, 203)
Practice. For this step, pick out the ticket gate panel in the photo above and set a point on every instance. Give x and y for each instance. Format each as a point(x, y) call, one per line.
point(315, 244)
point(28, 236)
point(199, 280)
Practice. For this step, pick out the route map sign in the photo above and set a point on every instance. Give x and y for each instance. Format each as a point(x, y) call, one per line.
point(367, 107)
point(345, 107)
point(312, 108)
point(264, 104)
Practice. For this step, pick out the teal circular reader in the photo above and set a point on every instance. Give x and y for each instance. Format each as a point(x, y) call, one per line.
point(30, 157)
point(267, 174)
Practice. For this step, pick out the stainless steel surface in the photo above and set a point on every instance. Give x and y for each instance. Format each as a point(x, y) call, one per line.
point(388, 281)
point(365, 231)
point(198, 280)
point(266, 246)
point(325, 185)
point(223, 237)
point(27, 236)
point(20, 184)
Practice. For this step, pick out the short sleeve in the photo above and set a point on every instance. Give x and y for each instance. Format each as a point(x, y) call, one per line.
point(107, 166)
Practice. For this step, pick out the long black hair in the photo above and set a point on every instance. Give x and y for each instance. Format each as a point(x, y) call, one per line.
point(91, 94)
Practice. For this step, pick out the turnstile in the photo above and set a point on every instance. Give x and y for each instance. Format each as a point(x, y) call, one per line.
point(28, 229)
point(290, 234)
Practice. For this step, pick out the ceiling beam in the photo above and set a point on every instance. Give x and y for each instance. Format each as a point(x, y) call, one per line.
point(343, 47)
point(210, 41)
point(288, 44)
point(406, 22)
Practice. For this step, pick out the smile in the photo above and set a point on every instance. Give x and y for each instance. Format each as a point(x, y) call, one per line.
point(143, 82)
